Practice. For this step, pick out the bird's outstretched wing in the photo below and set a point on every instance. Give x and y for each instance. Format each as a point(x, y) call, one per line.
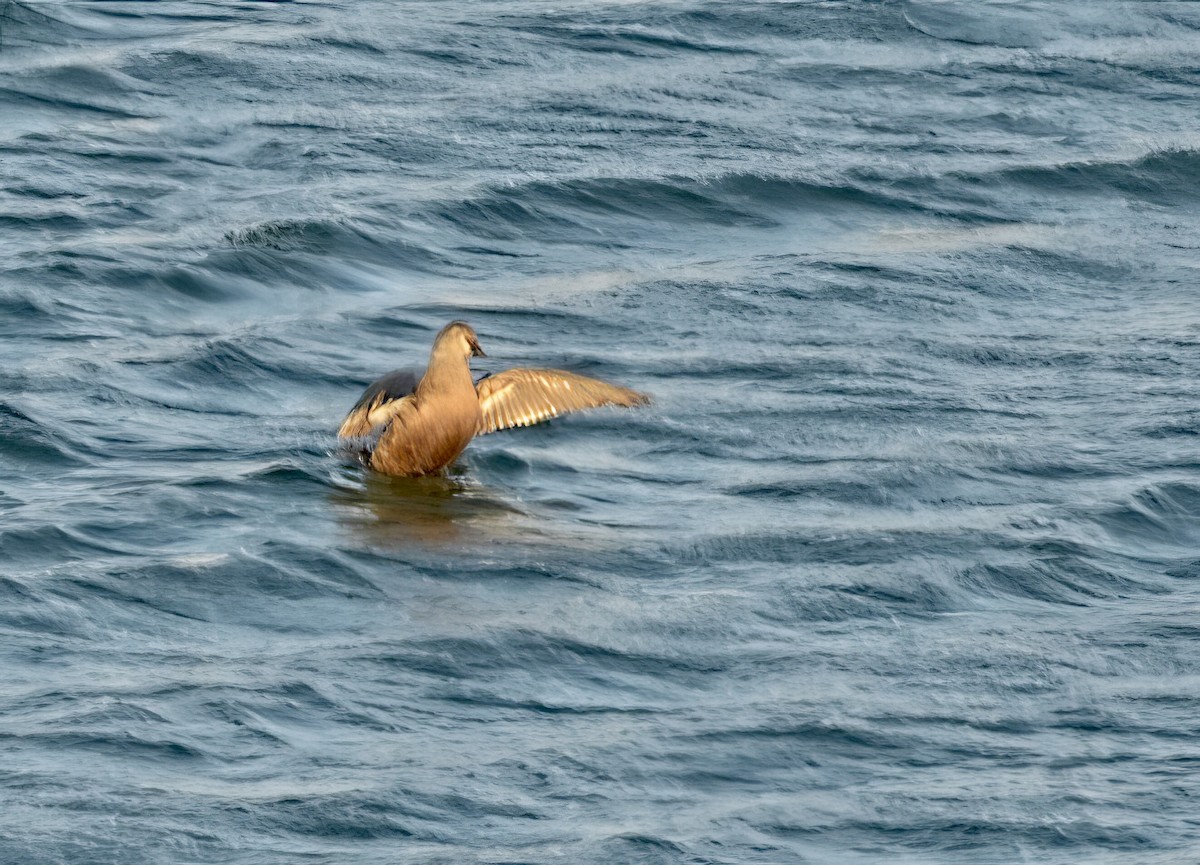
point(523, 397)
point(379, 403)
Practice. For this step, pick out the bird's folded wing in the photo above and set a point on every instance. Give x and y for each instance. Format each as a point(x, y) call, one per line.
point(380, 402)
point(523, 397)
point(364, 420)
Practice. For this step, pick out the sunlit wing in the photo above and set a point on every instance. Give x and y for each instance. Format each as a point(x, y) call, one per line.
point(523, 397)
point(380, 402)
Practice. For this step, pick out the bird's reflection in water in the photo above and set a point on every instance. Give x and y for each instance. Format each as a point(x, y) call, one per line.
point(438, 510)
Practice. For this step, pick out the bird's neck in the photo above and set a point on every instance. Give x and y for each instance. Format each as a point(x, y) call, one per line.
point(447, 375)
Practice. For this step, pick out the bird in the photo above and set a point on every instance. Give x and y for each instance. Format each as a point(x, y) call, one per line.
point(410, 423)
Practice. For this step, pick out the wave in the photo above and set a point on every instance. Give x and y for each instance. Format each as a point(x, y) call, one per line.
point(1166, 177)
point(26, 25)
point(1050, 27)
point(578, 210)
point(317, 236)
point(632, 40)
point(261, 248)
point(1158, 521)
point(28, 441)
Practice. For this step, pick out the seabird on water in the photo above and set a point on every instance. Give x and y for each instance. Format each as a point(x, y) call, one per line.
point(421, 423)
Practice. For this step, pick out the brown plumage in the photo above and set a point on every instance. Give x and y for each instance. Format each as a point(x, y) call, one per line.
point(421, 423)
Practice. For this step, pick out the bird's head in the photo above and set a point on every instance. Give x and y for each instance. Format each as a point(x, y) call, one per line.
point(458, 336)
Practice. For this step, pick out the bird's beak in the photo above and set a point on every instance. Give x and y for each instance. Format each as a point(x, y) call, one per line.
point(476, 351)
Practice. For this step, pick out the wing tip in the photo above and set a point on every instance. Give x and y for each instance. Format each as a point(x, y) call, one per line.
point(628, 398)
point(354, 426)
point(638, 398)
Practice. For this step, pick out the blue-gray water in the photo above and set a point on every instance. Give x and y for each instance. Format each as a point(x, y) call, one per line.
point(901, 566)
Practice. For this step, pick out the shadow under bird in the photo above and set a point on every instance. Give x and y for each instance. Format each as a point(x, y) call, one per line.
point(419, 424)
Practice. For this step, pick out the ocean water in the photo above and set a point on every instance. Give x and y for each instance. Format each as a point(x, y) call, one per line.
point(902, 565)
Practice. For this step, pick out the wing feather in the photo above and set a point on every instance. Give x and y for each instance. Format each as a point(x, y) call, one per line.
point(379, 404)
point(523, 397)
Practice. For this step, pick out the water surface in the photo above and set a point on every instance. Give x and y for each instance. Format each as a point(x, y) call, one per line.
point(900, 566)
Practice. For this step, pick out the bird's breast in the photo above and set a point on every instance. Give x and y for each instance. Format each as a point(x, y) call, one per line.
point(429, 437)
